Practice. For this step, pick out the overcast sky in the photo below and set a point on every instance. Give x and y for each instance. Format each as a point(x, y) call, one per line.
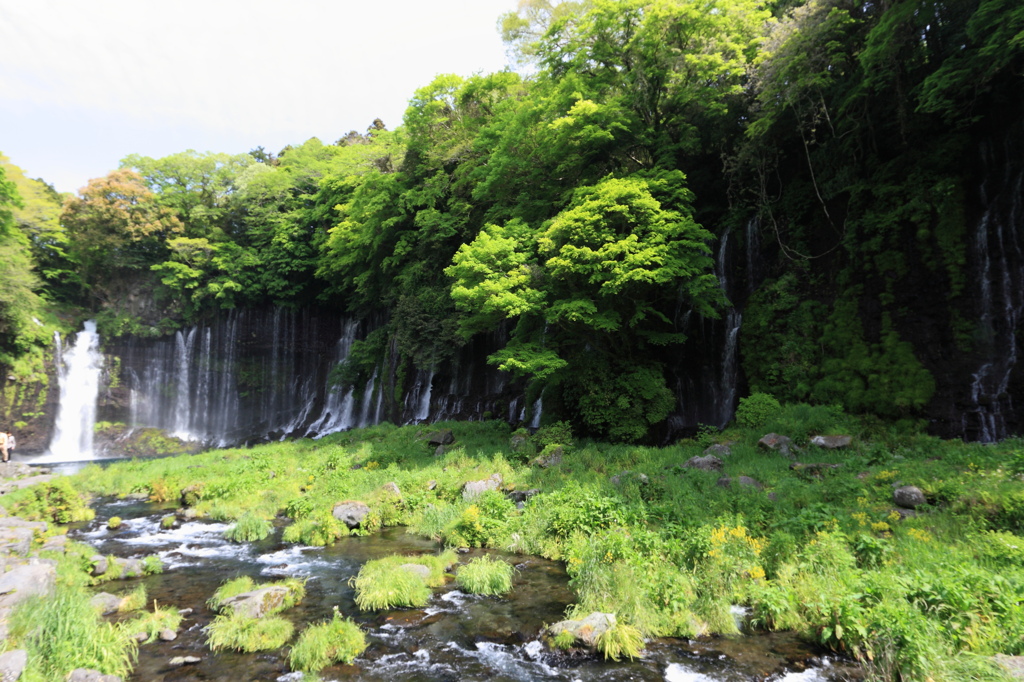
point(85, 83)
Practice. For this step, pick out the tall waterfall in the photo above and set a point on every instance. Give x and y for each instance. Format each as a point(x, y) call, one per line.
point(78, 375)
point(999, 253)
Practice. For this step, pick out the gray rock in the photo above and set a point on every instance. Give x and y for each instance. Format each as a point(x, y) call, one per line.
point(257, 603)
point(909, 496)
point(55, 543)
point(351, 513)
point(474, 489)
point(550, 458)
point(191, 495)
point(100, 565)
point(129, 568)
point(518, 442)
point(777, 443)
point(16, 540)
point(442, 437)
point(431, 484)
point(188, 514)
point(185, 612)
point(522, 496)
point(718, 450)
point(742, 481)
point(392, 489)
point(813, 469)
point(417, 569)
point(706, 463)
point(88, 675)
point(832, 442)
point(26, 581)
point(439, 451)
point(106, 603)
point(167, 635)
point(587, 630)
point(179, 661)
point(12, 663)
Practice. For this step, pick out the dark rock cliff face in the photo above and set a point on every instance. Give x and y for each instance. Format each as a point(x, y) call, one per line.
point(29, 408)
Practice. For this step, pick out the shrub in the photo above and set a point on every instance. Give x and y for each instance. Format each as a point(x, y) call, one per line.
point(319, 530)
point(296, 591)
point(151, 623)
point(114, 522)
point(484, 575)
point(384, 583)
point(168, 521)
point(133, 601)
point(620, 640)
point(231, 588)
point(64, 632)
point(336, 640)
point(249, 528)
point(240, 633)
point(756, 409)
point(559, 433)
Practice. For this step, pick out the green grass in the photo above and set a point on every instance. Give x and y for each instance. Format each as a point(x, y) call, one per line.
point(385, 584)
point(250, 527)
point(152, 622)
point(486, 576)
point(296, 590)
point(133, 600)
point(64, 632)
point(671, 552)
point(229, 589)
point(333, 641)
point(239, 633)
point(619, 641)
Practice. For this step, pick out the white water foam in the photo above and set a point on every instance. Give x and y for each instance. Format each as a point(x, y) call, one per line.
point(677, 672)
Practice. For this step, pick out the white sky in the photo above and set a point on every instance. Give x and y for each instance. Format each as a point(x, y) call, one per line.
point(84, 83)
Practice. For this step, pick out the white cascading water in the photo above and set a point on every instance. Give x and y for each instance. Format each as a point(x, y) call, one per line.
point(78, 375)
point(725, 392)
point(999, 252)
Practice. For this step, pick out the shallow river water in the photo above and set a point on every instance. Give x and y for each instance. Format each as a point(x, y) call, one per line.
point(456, 637)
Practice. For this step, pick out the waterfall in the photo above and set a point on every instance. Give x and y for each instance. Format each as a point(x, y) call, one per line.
point(78, 375)
point(1000, 268)
point(337, 414)
point(417, 402)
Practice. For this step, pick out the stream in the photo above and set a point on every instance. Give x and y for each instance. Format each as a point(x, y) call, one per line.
point(458, 636)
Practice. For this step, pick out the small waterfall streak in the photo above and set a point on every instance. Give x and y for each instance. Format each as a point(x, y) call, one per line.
point(728, 375)
point(79, 380)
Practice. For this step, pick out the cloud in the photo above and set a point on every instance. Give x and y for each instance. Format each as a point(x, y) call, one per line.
point(245, 67)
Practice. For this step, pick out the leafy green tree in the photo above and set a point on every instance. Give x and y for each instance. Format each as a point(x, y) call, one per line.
point(39, 219)
point(116, 230)
point(589, 292)
point(18, 300)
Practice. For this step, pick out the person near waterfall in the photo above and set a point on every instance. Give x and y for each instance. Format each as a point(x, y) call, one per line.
point(10, 446)
point(3, 445)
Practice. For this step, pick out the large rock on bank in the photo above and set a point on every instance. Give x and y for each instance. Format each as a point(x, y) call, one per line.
point(351, 513)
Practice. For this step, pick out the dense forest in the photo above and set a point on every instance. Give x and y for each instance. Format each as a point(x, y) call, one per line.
point(578, 203)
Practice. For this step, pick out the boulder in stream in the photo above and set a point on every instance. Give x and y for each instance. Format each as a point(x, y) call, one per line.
point(257, 603)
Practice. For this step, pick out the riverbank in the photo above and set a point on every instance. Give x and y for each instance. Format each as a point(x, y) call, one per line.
point(892, 548)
